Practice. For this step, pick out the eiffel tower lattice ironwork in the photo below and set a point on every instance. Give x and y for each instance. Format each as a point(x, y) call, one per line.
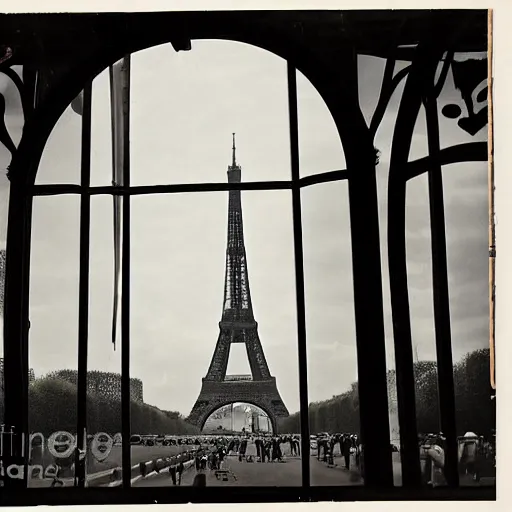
point(237, 326)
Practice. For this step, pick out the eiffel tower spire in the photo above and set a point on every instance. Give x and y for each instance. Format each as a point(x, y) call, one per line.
point(234, 152)
point(237, 296)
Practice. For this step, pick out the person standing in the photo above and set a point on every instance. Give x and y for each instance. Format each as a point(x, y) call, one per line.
point(347, 445)
point(268, 449)
point(222, 455)
point(181, 470)
point(257, 442)
point(276, 449)
point(292, 446)
point(332, 442)
point(264, 450)
point(243, 448)
point(172, 471)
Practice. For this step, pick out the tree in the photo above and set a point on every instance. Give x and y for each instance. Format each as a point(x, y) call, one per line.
point(53, 405)
point(475, 410)
point(427, 405)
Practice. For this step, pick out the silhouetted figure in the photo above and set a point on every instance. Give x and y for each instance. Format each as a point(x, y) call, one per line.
point(258, 444)
point(347, 444)
point(180, 470)
point(199, 480)
point(292, 446)
point(276, 450)
point(243, 448)
point(172, 472)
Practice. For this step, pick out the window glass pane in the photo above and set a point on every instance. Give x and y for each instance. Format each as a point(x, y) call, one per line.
point(60, 161)
point(454, 121)
point(185, 105)
point(13, 117)
point(421, 297)
point(53, 347)
point(370, 71)
point(101, 131)
point(178, 298)
point(467, 228)
point(104, 458)
point(320, 148)
point(330, 324)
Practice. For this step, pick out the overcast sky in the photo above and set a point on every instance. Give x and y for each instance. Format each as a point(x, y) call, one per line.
point(184, 108)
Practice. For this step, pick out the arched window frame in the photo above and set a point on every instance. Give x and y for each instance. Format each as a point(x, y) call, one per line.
point(55, 91)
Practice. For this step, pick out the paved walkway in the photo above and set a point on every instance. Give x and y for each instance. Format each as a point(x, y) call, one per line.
point(287, 473)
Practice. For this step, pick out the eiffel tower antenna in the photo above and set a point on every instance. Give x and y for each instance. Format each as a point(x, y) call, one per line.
point(234, 150)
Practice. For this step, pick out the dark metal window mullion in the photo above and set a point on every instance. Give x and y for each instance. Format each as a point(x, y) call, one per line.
point(83, 301)
point(299, 276)
point(446, 386)
point(125, 300)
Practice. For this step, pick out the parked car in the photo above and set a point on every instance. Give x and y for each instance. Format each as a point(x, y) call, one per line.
point(313, 442)
point(136, 439)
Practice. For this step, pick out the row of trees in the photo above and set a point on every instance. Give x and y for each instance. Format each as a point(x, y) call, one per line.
point(53, 407)
point(475, 411)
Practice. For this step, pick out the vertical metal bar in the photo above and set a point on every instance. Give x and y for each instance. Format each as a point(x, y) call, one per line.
point(441, 297)
point(368, 302)
point(16, 326)
point(399, 291)
point(299, 276)
point(125, 297)
point(23, 442)
point(492, 231)
point(83, 301)
point(402, 337)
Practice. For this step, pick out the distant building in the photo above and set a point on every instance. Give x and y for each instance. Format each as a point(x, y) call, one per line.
point(255, 421)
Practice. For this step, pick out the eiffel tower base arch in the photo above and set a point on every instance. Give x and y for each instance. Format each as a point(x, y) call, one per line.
point(216, 394)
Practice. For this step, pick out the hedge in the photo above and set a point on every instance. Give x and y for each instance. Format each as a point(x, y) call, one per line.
point(53, 407)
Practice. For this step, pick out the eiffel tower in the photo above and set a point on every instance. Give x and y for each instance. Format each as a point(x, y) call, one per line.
point(237, 326)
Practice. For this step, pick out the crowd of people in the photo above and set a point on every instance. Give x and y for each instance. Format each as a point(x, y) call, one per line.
point(476, 456)
point(210, 452)
point(348, 445)
point(264, 447)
